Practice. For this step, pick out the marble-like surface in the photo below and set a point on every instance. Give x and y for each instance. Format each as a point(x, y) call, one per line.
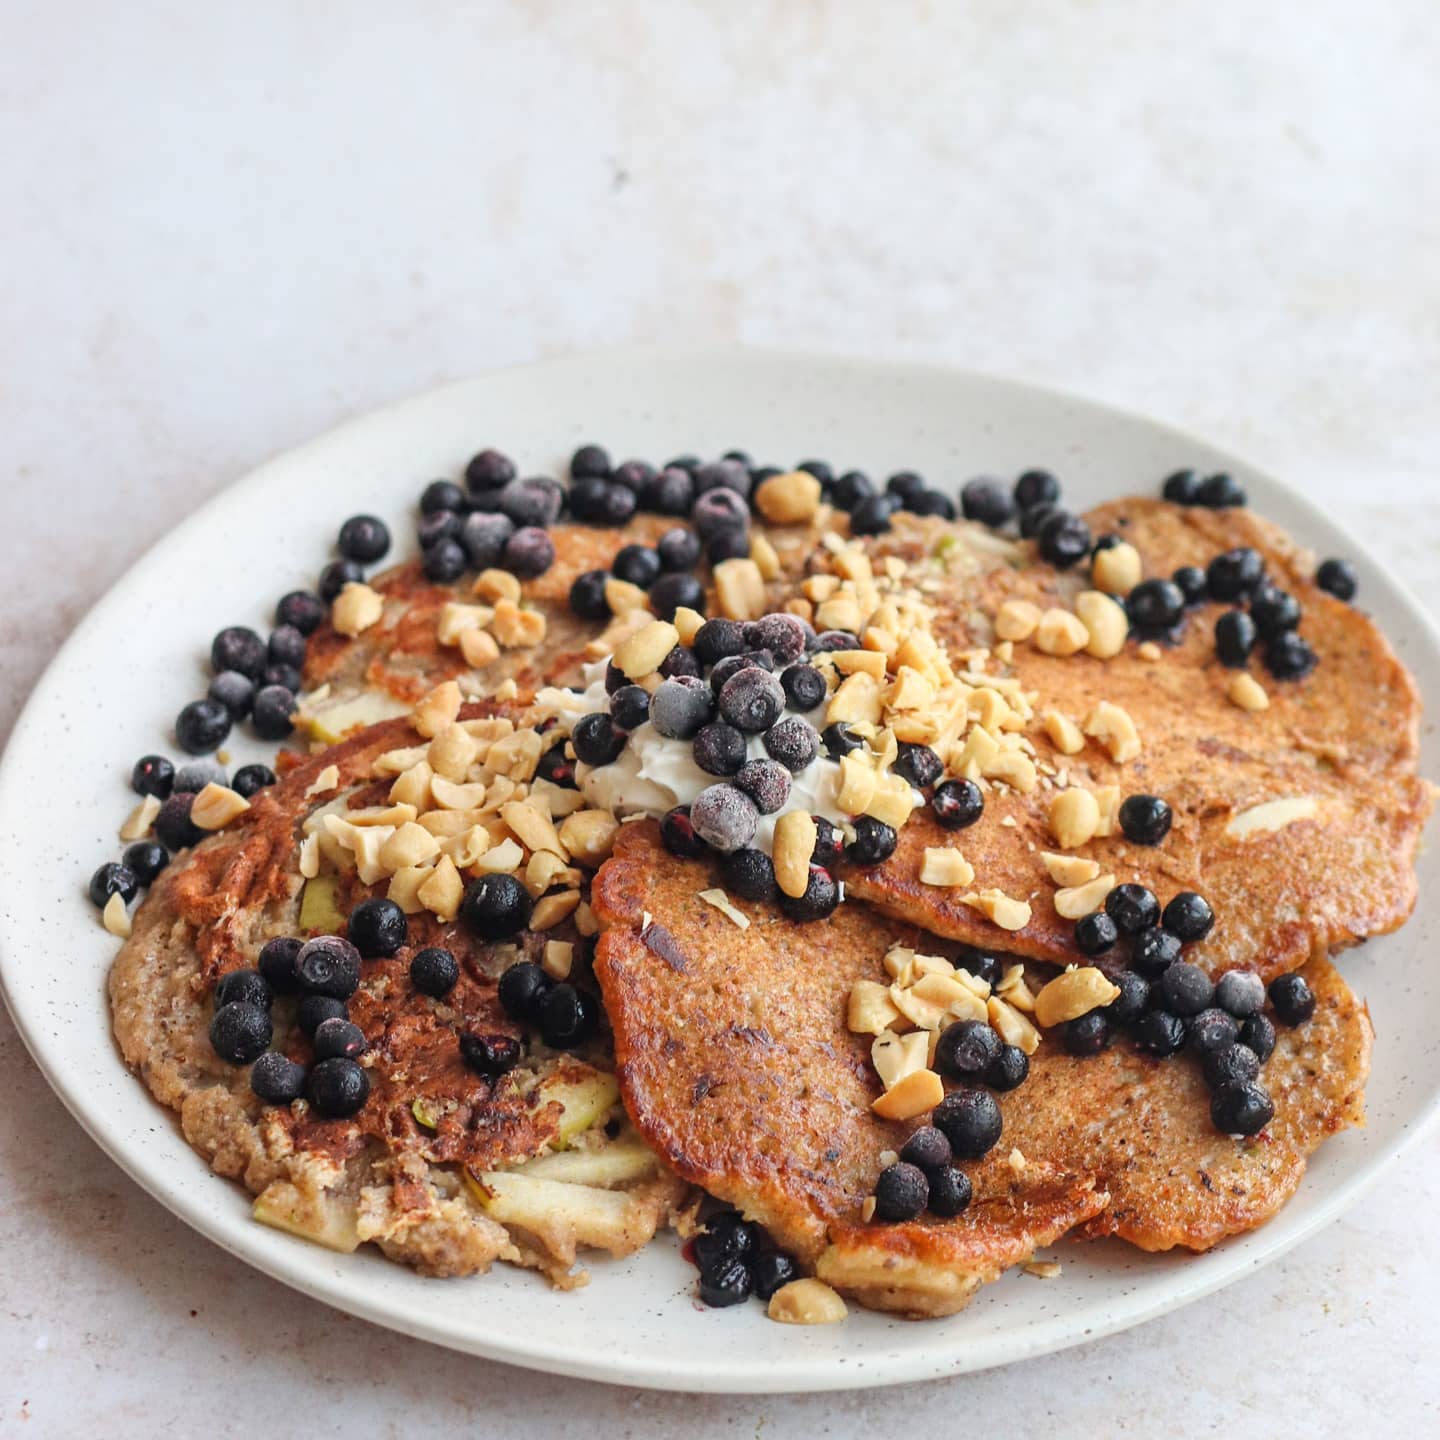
point(230, 227)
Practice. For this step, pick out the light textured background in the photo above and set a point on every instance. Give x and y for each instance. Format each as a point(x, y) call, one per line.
point(228, 229)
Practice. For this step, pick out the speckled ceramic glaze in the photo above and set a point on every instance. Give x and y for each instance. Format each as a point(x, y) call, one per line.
point(112, 692)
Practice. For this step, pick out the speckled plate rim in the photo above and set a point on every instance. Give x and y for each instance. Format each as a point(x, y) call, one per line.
point(636, 1323)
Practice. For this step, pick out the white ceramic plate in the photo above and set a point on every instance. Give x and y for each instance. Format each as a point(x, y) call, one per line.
point(113, 690)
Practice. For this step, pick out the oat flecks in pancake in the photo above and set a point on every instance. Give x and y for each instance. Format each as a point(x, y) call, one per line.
point(1347, 736)
point(736, 1066)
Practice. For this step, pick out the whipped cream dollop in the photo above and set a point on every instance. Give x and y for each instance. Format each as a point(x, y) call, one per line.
point(654, 773)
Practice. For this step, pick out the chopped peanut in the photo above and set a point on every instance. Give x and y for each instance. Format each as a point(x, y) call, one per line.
point(788, 499)
point(642, 653)
point(356, 608)
point(437, 711)
point(1073, 994)
point(795, 835)
point(1116, 571)
point(1074, 817)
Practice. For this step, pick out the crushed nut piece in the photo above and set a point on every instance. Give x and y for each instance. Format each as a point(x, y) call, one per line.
point(455, 619)
point(1247, 692)
point(442, 891)
point(1073, 994)
point(642, 653)
point(625, 599)
point(1045, 1269)
point(722, 902)
point(516, 628)
point(479, 648)
point(1105, 622)
point(1077, 900)
point(437, 711)
point(495, 584)
point(1012, 1027)
point(1016, 620)
point(1117, 570)
point(1074, 816)
point(116, 918)
point(945, 865)
point(356, 608)
point(1060, 633)
point(795, 835)
point(558, 959)
point(739, 589)
point(788, 499)
point(411, 844)
point(550, 910)
point(896, 1056)
point(1069, 869)
point(1149, 650)
point(589, 836)
point(1064, 733)
point(911, 1096)
point(216, 806)
point(1115, 730)
point(870, 1010)
point(140, 819)
point(327, 779)
point(996, 905)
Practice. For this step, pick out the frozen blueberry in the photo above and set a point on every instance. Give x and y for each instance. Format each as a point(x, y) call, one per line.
point(495, 907)
point(950, 1191)
point(1159, 1033)
point(587, 595)
point(364, 538)
point(1188, 916)
point(932, 502)
point(314, 1010)
point(793, 742)
point(728, 1283)
point(238, 648)
point(441, 496)
point(377, 928)
point(276, 962)
point(250, 780)
point(1154, 950)
point(905, 485)
point(1095, 933)
point(1034, 517)
point(336, 576)
point(1232, 575)
point(236, 692)
point(766, 783)
point(338, 1037)
point(1258, 1032)
point(276, 1079)
point(1145, 819)
point(1244, 1109)
point(871, 515)
point(173, 824)
point(202, 726)
point(783, 635)
point(1338, 578)
point(1010, 1069)
point(1292, 998)
point(273, 712)
point(637, 564)
point(770, 1270)
point(444, 561)
point(927, 1149)
point(874, 841)
point(680, 707)
point(302, 610)
point(197, 774)
point(719, 749)
point(829, 843)
point(678, 548)
point(634, 475)
point(286, 646)
point(821, 897)
point(1087, 1034)
point(1212, 1029)
point(851, 488)
point(153, 775)
point(670, 592)
point(145, 859)
point(522, 987)
point(1235, 1064)
point(1240, 993)
point(1036, 487)
point(328, 965)
point(630, 707)
point(901, 1193)
point(491, 1055)
point(718, 640)
point(489, 470)
point(751, 700)
point(528, 552)
point(988, 502)
point(434, 971)
point(834, 640)
point(839, 740)
point(1133, 908)
point(533, 503)
point(1234, 638)
point(677, 834)
point(1289, 656)
point(672, 492)
point(112, 879)
point(590, 461)
point(1274, 611)
point(1134, 996)
point(719, 512)
point(247, 985)
point(1064, 539)
point(971, 1121)
point(957, 804)
point(804, 687)
point(240, 1031)
point(1156, 605)
point(484, 537)
point(337, 1087)
point(918, 764)
point(1220, 492)
point(557, 767)
point(597, 739)
point(615, 677)
point(287, 677)
point(724, 817)
point(966, 1050)
point(1184, 989)
point(1191, 582)
point(723, 475)
point(728, 545)
point(749, 873)
point(1182, 488)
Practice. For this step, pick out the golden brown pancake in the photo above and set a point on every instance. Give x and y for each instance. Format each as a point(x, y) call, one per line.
point(1346, 738)
point(736, 1065)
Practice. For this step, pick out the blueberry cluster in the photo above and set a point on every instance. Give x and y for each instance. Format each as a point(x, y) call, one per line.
point(1033, 505)
point(565, 1015)
point(736, 1260)
point(141, 863)
point(1271, 621)
point(1214, 492)
point(502, 522)
point(870, 508)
